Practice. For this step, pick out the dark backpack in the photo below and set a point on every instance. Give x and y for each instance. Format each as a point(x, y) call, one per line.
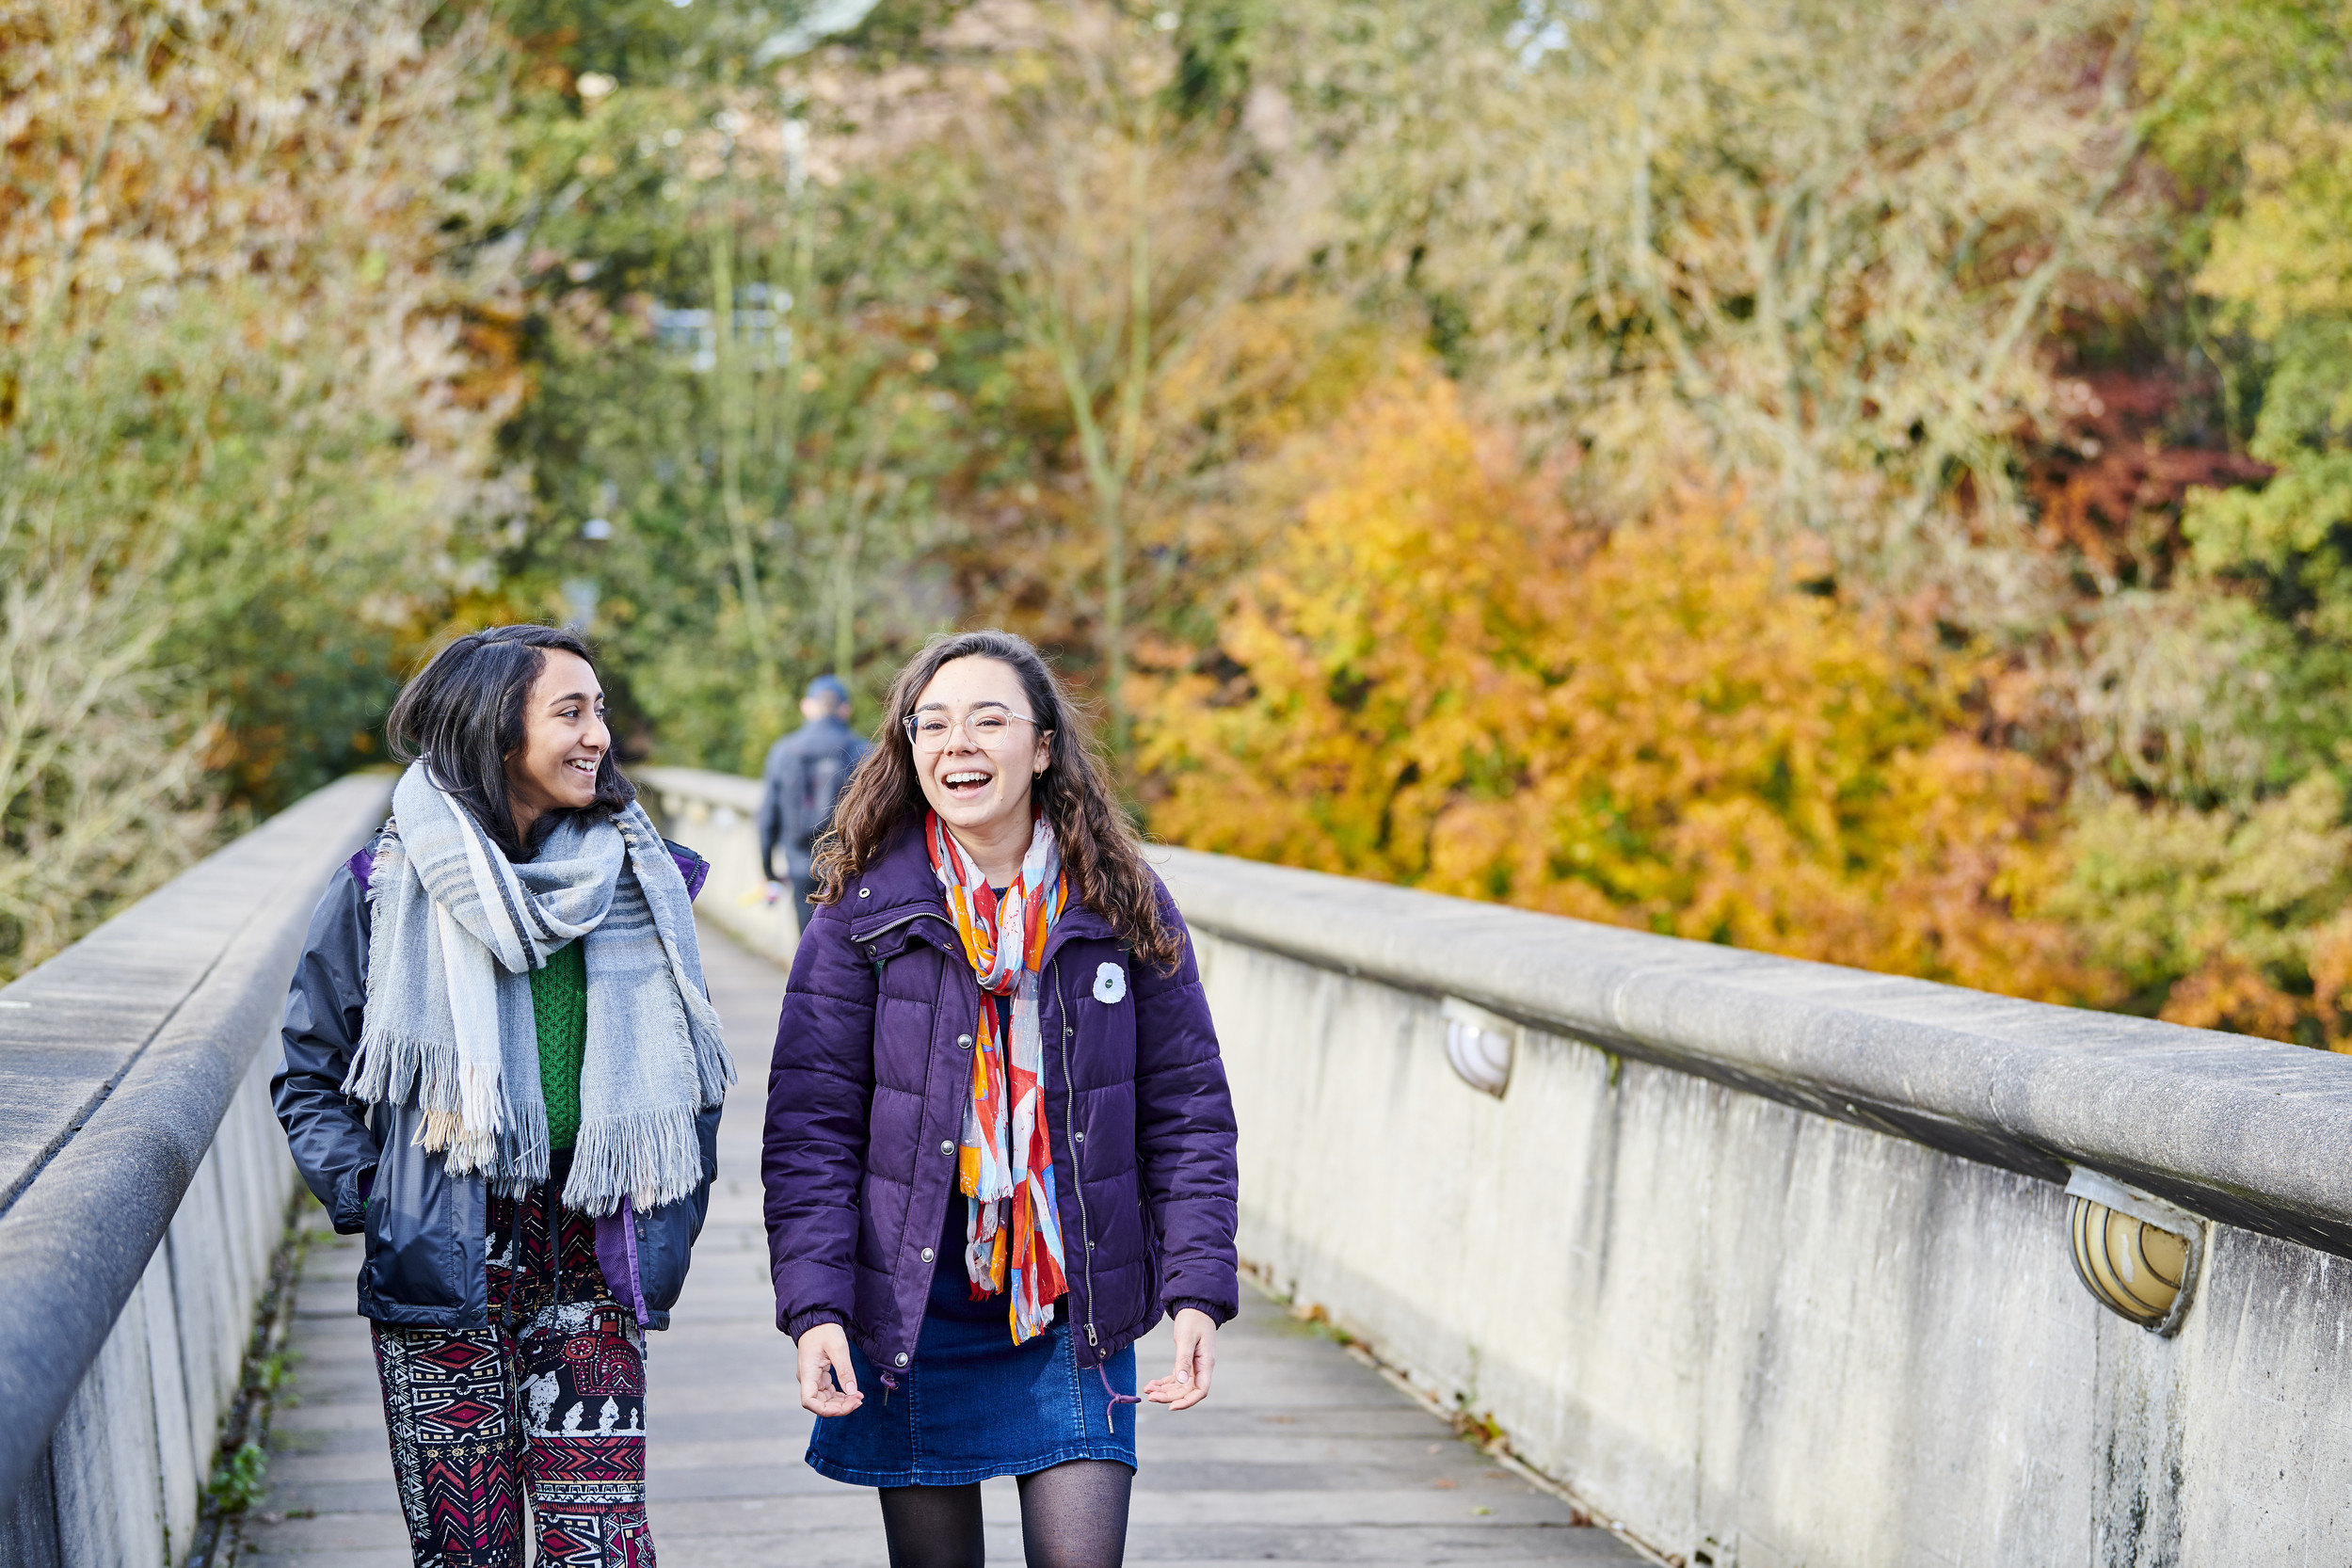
point(821, 779)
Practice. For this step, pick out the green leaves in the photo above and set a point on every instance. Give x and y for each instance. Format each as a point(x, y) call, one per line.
point(2252, 102)
point(752, 356)
point(238, 1480)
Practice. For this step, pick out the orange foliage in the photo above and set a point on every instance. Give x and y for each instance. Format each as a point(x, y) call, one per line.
point(2331, 981)
point(2230, 993)
point(1437, 678)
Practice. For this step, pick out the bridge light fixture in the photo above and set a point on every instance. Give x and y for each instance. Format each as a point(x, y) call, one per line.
point(2136, 1255)
point(1481, 1045)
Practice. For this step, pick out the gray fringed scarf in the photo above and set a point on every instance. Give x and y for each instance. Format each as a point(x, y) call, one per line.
point(458, 928)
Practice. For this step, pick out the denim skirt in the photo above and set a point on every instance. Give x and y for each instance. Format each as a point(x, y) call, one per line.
point(972, 1404)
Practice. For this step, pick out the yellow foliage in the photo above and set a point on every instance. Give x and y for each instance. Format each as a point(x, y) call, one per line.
point(1439, 679)
point(2219, 917)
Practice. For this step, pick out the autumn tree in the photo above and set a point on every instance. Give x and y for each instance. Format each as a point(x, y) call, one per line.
point(1808, 248)
point(247, 407)
point(2253, 107)
point(1116, 229)
point(2211, 861)
point(1439, 678)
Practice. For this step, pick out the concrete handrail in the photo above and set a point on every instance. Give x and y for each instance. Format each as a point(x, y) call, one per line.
point(717, 815)
point(731, 791)
point(2249, 1132)
point(118, 1060)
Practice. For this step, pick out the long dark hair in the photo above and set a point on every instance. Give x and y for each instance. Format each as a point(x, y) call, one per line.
point(464, 710)
point(1100, 853)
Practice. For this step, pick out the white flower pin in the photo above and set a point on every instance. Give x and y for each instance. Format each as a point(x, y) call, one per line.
point(1110, 982)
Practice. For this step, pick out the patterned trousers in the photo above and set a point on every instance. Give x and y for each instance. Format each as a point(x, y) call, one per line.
point(546, 1404)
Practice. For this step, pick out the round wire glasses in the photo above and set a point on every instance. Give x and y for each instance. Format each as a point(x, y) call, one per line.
point(986, 728)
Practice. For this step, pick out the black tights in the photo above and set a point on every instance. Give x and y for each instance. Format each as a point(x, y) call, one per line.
point(1072, 1516)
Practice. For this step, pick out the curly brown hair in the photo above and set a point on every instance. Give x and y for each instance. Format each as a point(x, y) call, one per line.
point(1100, 852)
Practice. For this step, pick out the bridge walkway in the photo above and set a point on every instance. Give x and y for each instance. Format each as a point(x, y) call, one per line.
point(1302, 1454)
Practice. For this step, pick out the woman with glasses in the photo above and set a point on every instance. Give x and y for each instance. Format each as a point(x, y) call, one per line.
point(999, 1146)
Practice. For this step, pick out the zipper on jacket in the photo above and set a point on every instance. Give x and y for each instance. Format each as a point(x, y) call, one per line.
point(890, 1383)
point(1077, 1180)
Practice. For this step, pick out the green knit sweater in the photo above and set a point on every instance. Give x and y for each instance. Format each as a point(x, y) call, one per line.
point(559, 1005)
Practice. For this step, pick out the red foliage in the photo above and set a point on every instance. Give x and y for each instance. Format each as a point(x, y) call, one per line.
point(2106, 484)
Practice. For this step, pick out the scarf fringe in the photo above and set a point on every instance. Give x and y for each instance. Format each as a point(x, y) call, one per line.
point(715, 1065)
point(522, 1151)
point(509, 1142)
point(629, 1154)
point(714, 1070)
point(392, 1070)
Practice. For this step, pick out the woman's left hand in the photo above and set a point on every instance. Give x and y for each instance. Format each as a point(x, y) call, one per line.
point(1195, 1360)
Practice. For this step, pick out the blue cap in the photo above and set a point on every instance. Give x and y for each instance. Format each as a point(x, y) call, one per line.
point(827, 686)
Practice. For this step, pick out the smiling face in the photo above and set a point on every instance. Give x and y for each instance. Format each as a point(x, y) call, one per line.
point(979, 785)
point(564, 741)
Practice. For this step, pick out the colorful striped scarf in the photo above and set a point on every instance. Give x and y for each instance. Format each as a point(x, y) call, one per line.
point(1005, 1164)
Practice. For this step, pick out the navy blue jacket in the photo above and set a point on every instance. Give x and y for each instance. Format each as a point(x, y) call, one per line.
point(425, 1227)
point(866, 1101)
point(805, 776)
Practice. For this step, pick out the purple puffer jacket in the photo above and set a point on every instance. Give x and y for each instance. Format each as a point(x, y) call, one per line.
point(866, 1096)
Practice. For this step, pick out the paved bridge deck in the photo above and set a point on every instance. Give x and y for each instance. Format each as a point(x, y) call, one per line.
point(1302, 1454)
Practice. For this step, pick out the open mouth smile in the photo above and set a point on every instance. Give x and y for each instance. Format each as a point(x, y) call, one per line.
point(964, 783)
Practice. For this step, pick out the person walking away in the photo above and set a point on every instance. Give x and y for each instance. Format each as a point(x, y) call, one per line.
point(805, 774)
point(1000, 1146)
point(502, 1067)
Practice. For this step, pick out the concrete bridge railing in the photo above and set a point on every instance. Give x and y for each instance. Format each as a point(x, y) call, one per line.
point(1774, 1261)
point(717, 815)
point(143, 1188)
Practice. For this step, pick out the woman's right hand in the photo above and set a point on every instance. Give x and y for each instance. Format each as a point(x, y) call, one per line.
point(824, 1350)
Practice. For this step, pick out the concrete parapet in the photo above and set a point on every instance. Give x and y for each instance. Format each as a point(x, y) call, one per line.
point(1771, 1261)
point(717, 815)
point(143, 1185)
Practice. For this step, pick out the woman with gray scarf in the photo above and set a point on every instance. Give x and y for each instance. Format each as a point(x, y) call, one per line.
point(502, 1067)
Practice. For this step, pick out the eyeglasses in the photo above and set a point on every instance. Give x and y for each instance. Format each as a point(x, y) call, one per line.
point(986, 728)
